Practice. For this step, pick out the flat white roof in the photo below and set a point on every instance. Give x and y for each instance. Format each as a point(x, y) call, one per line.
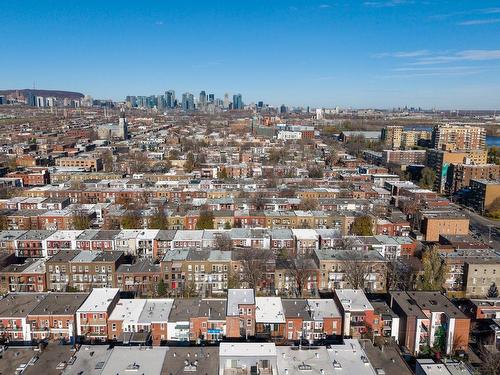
point(128, 310)
point(156, 310)
point(247, 349)
point(351, 358)
point(293, 361)
point(269, 310)
point(99, 300)
point(135, 360)
point(353, 299)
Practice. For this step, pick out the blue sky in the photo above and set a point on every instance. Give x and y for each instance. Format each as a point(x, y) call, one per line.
point(373, 53)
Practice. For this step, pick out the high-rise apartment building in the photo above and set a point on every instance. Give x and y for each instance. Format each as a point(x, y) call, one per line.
point(391, 136)
point(458, 137)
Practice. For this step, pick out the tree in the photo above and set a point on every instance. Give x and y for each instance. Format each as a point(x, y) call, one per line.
point(428, 178)
point(253, 266)
point(355, 145)
point(493, 291)
point(490, 361)
point(315, 172)
point(355, 268)
point(434, 271)
point(107, 161)
point(189, 289)
point(189, 165)
point(227, 225)
point(258, 201)
point(4, 225)
point(308, 204)
point(223, 242)
point(80, 219)
point(161, 289)
point(130, 220)
point(400, 276)
point(222, 174)
point(300, 271)
point(205, 220)
point(159, 220)
point(277, 155)
point(233, 280)
point(362, 226)
point(138, 162)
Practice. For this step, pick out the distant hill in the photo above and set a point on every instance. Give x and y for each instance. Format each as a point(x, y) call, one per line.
point(44, 93)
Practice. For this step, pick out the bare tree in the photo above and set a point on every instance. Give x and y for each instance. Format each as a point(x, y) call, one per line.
point(253, 266)
point(223, 242)
point(301, 270)
point(491, 361)
point(355, 268)
point(400, 276)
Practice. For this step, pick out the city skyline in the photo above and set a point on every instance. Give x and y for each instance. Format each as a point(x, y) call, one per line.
point(380, 54)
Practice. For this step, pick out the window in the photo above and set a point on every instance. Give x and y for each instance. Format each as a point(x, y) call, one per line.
point(249, 322)
point(113, 327)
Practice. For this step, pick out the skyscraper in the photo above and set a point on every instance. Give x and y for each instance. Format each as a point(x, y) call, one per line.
point(203, 98)
point(170, 98)
point(226, 100)
point(237, 101)
point(211, 98)
point(187, 101)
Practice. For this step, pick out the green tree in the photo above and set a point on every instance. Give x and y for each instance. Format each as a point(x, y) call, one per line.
point(81, 220)
point(428, 178)
point(362, 226)
point(159, 220)
point(161, 289)
point(434, 271)
point(206, 220)
point(227, 225)
point(130, 220)
point(493, 291)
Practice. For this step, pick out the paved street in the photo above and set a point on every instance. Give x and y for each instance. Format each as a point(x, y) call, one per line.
point(481, 226)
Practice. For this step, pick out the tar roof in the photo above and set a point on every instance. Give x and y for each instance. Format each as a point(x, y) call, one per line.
point(64, 256)
point(207, 360)
point(60, 304)
point(296, 308)
point(184, 308)
point(19, 305)
point(140, 266)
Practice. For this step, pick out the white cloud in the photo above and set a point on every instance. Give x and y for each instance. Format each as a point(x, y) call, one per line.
point(386, 4)
point(480, 22)
point(403, 54)
point(325, 6)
